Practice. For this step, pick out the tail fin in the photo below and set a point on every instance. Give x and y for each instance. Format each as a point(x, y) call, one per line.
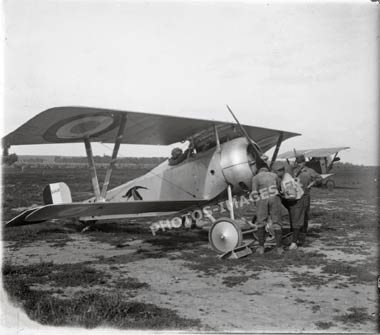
point(57, 193)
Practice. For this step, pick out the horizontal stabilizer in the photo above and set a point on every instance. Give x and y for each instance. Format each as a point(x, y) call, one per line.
point(19, 220)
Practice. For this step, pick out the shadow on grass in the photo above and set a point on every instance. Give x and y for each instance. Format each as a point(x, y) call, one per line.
point(54, 233)
point(179, 240)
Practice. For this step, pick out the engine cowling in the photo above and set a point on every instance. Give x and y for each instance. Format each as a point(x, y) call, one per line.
point(238, 164)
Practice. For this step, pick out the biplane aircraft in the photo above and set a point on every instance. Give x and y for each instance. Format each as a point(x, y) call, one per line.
point(320, 160)
point(220, 162)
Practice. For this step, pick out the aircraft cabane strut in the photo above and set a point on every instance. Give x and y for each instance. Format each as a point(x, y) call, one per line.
point(101, 196)
point(92, 168)
point(275, 153)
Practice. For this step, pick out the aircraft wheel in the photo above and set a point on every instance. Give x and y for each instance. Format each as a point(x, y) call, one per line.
point(330, 184)
point(225, 235)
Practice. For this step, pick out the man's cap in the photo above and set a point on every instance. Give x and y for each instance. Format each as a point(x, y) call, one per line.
point(300, 159)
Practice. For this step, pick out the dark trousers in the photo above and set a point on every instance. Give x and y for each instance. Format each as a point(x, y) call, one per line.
point(307, 213)
point(299, 211)
point(269, 208)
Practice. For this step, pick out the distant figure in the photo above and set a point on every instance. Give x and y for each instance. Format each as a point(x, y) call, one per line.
point(265, 192)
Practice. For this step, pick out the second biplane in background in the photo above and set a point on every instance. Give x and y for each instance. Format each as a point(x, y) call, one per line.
point(320, 160)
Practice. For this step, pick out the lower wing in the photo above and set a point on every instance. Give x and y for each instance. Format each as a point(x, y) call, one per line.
point(326, 175)
point(77, 210)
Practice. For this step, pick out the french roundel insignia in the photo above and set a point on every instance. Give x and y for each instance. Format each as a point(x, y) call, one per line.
point(78, 127)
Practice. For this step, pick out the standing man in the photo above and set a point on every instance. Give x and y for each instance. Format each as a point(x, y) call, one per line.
point(290, 190)
point(300, 209)
point(265, 186)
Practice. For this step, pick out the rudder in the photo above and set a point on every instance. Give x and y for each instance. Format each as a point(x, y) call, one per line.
point(57, 193)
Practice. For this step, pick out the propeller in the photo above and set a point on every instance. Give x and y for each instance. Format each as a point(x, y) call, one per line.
point(260, 162)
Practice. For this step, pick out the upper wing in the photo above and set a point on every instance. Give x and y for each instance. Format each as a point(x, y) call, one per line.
point(77, 210)
point(73, 124)
point(323, 152)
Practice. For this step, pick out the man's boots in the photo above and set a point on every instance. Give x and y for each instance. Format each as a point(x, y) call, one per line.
point(278, 238)
point(296, 232)
point(261, 238)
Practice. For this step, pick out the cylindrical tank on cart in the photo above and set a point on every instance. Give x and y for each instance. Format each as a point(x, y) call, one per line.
point(238, 164)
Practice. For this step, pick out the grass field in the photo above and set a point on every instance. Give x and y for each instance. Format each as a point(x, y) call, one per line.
point(119, 275)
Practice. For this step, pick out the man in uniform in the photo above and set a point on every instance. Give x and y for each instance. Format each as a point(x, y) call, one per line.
point(268, 205)
point(290, 190)
point(300, 209)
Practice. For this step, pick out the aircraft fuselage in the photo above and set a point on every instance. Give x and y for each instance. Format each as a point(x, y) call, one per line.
point(204, 175)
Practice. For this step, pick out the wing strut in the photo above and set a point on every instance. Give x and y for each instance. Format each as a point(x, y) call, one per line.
point(91, 164)
point(275, 153)
point(119, 138)
point(332, 162)
point(100, 196)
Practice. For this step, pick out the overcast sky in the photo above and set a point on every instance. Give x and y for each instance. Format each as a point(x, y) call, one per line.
point(303, 67)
